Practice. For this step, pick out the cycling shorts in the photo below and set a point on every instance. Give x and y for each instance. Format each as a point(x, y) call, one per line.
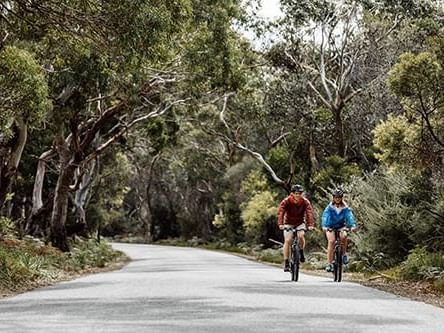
point(289, 232)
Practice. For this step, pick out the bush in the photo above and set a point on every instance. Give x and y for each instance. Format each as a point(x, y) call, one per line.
point(386, 221)
point(228, 221)
point(397, 212)
point(259, 216)
point(89, 253)
point(421, 264)
point(6, 226)
point(27, 263)
point(23, 262)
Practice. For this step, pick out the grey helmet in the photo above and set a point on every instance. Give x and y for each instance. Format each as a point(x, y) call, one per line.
point(338, 193)
point(297, 188)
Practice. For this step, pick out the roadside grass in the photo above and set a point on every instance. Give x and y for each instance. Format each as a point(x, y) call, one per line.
point(29, 263)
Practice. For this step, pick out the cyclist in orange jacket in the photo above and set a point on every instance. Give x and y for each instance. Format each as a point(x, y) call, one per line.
point(295, 211)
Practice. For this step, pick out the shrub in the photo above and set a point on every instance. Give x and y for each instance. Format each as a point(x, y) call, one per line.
point(6, 226)
point(228, 221)
point(421, 264)
point(89, 253)
point(27, 263)
point(386, 222)
point(259, 216)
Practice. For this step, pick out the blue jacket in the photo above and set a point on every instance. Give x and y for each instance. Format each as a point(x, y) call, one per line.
point(335, 219)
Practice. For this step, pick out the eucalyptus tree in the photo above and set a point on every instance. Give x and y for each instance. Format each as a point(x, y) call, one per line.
point(177, 169)
point(326, 40)
point(415, 138)
point(23, 105)
point(110, 66)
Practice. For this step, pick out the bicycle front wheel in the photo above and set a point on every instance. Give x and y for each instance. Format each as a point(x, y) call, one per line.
point(338, 264)
point(294, 263)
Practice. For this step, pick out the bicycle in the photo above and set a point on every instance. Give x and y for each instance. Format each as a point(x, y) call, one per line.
point(337, 255)
point(294, 253)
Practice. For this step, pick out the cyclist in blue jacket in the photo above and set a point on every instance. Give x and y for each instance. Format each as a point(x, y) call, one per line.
point(337, 215)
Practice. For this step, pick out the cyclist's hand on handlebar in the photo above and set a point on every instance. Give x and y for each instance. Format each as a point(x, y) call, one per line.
point(281, 226)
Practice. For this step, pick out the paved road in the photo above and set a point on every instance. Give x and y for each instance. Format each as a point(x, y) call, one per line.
point(169, 289)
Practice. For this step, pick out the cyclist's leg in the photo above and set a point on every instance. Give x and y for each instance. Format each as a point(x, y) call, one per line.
point(301, 235)
point(301, 241)
point(330, 244)
point(288, 237)
point(344, 241)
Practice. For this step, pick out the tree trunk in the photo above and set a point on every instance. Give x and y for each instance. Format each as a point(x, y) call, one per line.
point(339, 131)
point(60, 206)
point(148, 218)
point(83, 193)
point(11, 162)
point(312, 152)
point(37, 201)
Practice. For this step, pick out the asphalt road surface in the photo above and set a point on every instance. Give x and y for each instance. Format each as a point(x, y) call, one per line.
point(172, 289)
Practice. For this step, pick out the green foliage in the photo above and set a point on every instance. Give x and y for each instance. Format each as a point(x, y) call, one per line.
point(397, 212)
point(336, 171)
point(301, 12)
point(228, 220)
point(144, 26)
point(422, 264)
point(255, 183)
point(6, 226)
point(396, 139)
point(89, 254)
point(23, 89)
point(22, 263)
point(106, 209)
point(259, 215)
point(415, 76)
point(270, 255)
point(28, 263)
point(278, 158)
point(215, 55)
point(418, 80)
point(386, 221)
point(407, 8)
point(162, 133)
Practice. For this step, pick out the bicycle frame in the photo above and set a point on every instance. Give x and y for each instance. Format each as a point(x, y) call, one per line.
point(337, 255)
point(294, 255)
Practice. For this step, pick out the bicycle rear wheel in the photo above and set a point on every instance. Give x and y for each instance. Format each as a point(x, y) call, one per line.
point(294, 263)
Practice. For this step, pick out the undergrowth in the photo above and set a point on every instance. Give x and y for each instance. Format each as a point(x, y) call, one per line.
point(28, 263)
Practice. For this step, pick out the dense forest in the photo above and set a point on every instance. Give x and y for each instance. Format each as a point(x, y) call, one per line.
point(162, 119)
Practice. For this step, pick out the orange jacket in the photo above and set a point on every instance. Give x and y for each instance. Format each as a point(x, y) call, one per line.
point(291, 212)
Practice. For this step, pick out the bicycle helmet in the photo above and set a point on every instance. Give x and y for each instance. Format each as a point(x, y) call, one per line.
point(338, 193)
point(297, 188)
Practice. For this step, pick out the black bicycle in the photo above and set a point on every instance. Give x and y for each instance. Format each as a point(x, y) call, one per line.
point(294, 259)
point(337, 255)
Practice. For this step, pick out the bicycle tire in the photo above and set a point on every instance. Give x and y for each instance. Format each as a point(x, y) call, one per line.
point(338, 264)
point(294, 262)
